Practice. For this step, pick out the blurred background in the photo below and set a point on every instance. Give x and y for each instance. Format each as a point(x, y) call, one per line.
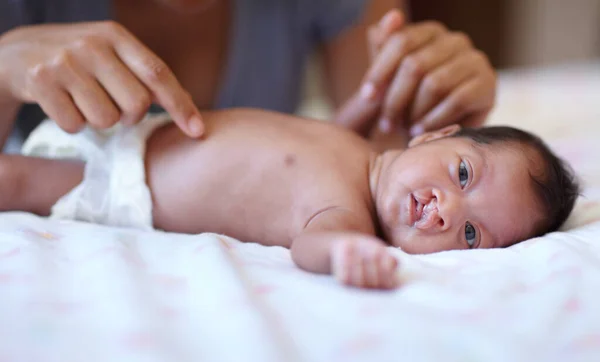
point(517, 35)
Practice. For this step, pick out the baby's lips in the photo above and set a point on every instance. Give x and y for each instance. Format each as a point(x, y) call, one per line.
point(428, 219)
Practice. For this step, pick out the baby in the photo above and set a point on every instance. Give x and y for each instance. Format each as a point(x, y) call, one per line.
point(310, 186)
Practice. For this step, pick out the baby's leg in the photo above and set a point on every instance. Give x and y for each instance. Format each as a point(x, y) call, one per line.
point(33, 184)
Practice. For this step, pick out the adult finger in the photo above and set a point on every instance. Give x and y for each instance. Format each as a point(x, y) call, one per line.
point(412, 70)
point(361, 110)
point(399, 45)
point(469, 98)
point(130, 95)
point(89, 97)
point(440, 82)
point(379, 33)
point(57, 105)
point(162, 83)
point(359, 113)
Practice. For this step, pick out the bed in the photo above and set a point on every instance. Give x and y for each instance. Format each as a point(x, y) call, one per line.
point(77, 292)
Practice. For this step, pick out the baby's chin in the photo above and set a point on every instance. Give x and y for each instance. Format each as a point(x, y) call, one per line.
point(404, 240)
point(411, 241)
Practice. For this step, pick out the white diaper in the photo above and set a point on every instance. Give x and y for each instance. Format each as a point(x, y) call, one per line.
point(113, 191)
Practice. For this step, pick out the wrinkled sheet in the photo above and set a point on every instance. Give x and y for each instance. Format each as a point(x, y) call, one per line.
point(77, 292)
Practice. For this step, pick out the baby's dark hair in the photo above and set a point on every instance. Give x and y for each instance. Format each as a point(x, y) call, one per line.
point(556, 187)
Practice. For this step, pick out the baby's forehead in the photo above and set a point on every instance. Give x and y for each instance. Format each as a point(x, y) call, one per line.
point(506, 149)
point(514, 208)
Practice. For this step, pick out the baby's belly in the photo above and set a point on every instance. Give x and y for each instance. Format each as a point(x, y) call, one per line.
point(253, 193)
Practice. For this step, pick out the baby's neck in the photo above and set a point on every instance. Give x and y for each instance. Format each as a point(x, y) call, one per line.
point(378, 166)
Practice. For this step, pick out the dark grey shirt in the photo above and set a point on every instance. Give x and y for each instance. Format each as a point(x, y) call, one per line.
point(269, 45)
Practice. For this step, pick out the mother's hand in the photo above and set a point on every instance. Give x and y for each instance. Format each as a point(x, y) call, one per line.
point(96, 73)
point(422, 77)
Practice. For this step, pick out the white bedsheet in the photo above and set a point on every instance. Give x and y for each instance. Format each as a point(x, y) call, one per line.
point(78, 292)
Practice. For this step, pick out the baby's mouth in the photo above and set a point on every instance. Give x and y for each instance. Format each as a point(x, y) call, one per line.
point(424, 215)
point(418, 211)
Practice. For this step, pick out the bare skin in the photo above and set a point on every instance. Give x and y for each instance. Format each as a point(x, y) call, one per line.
point(266, 162)
point(317, 189)
point(173, 53)
point(290, 182)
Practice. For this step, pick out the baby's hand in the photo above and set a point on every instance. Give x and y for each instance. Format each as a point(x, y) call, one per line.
point(364, 263)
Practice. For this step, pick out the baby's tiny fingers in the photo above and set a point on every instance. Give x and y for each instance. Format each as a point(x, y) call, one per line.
point(357, 272)
point(340, 262)
point(388, 270)
point(371, 268)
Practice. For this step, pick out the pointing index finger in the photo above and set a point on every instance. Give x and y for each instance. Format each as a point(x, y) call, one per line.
point(162, 84)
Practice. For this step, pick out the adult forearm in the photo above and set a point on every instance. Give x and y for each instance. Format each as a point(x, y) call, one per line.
point(9, 105)
point(8, 112)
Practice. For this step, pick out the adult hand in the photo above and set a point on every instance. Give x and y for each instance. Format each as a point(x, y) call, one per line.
point(96, 73)
point(422, 77)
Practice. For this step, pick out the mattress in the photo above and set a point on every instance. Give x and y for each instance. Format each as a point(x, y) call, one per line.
point(78, 292)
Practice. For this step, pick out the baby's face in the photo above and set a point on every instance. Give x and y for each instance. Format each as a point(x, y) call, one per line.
point(453, 193)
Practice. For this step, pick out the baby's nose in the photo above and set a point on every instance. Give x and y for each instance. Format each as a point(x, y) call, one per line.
point(451, 210)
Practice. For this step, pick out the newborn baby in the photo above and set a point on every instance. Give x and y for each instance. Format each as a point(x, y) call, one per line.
point(313, 187)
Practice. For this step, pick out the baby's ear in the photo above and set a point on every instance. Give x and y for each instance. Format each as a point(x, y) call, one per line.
point(434, 135)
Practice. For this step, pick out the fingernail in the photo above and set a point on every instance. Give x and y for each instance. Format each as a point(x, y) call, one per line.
point(195, 125)
point(385, 125)
point(367, 91)
point(416, 130)
point(387, 18)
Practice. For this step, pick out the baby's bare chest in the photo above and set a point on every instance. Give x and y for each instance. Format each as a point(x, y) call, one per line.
point(269, 190)
point(258, 182)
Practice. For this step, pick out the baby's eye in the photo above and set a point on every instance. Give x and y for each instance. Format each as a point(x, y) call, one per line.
point(470, 234)
point(463, 174)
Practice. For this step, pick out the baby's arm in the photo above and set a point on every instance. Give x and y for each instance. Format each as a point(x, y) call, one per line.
point(336, 242)
point(32, 184)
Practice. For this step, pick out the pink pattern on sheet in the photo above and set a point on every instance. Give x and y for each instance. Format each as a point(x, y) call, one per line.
point(574, 272)
point(46, 235)
point(475, 315)
point(199, 249)
point(169, 312)
point(9, 254)
point(555, 256)
point(259, 263)
point(369, 310)
point(572, 305)
point(265, 289)
point(173, 282)
point(62, 307)
point(518, 288)
point(586, 342)
point(132, 259)
point(361, 343)
point(140, 340)
point(6, 278)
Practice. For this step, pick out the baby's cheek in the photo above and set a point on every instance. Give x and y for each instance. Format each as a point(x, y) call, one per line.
point(406, 240)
